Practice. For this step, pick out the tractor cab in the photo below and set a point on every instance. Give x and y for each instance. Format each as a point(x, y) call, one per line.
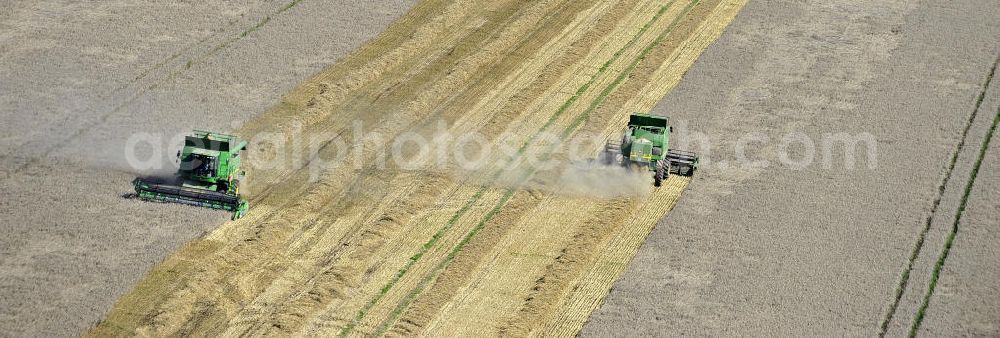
point(646, 137)
point(201, 163)
point(210, 157)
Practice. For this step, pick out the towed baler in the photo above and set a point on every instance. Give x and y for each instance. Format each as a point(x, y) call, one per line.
point(209, 175)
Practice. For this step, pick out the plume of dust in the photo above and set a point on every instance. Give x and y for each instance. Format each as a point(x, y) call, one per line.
point(594, 179)
point(161, 169)
point(150, 162)
point(591, 179)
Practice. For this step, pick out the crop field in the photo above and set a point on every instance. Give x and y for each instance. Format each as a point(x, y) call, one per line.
point(437, 168)
point(829, 248)
point(371, 251)
point(78, 79)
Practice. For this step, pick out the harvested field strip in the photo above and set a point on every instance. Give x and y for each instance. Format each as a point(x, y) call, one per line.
point(400, 66)
point(437, 235)
point(943, 256)
point(453, 219)
point(588, 292)
point(382, 219)
point(496, 175)
point(363, 249)
point(474, 119)
point(212, 51)
point(326, 177)
point(371, 167)
point(565, 133)
point(905, 275)
point(487, 204)
point(135, 89)
point(733, 8)
point(589, 289)
point(575, 123)
point(459, 126)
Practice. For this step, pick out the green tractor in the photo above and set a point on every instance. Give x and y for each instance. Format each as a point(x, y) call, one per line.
point(209, 175)
point(645, 144)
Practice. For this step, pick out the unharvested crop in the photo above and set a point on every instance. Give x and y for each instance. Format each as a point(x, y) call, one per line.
point(364, 250)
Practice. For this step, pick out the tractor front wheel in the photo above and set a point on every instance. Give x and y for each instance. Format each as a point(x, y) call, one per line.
point(662, 171)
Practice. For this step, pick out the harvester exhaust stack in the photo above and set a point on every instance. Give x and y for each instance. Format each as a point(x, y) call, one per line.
point(209, 175)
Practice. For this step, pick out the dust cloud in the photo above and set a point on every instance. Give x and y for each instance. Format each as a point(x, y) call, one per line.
point(594, 179)
point(589, 179)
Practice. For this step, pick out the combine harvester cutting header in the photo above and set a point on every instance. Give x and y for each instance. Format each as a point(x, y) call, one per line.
point(645, 143)
point(209, 175)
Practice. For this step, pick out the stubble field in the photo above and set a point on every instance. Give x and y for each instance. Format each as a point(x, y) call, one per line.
point(362, 250)
point(368, 245)
point(828, 247)
point(77, 79)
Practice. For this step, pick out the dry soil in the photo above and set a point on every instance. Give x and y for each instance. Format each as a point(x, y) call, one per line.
point(78, 78)
point(816, 250)
point(966, 297)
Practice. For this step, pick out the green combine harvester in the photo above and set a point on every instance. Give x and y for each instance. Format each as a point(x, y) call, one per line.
point(209, 175)
point(645, 144)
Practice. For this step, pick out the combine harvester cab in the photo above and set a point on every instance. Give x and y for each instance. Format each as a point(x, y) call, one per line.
point(209, 175)
point(645, 143)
